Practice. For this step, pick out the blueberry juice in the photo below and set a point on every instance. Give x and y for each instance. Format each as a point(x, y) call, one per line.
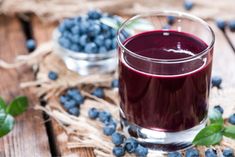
point(164, 87)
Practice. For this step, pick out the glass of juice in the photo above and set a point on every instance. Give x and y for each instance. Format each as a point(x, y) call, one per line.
point(164, 75)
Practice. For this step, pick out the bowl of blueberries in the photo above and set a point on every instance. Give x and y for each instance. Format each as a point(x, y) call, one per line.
point(86, 44)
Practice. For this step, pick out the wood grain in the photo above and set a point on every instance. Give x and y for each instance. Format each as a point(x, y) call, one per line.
point(231, 36)
point(42, 33)
point(29, 137)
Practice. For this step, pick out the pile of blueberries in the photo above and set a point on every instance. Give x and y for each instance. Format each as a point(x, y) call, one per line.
point(88, 34)
point(122, 144)
point(222, 24)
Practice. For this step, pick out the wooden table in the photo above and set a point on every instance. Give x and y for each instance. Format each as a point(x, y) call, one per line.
point(33, 136)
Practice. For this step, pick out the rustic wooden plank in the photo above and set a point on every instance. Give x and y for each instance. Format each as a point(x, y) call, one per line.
point(29, 137)
point(42, 33)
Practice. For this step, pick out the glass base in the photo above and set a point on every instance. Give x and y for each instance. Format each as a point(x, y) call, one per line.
point(161, 141)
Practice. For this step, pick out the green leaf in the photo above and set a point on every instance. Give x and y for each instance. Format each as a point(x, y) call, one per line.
point(229, 131)
point(17, 106)
point(210, 135)
point(110, 22)
point(141, 24)
point(2, 104)
point(6, 123)
point(215, 116)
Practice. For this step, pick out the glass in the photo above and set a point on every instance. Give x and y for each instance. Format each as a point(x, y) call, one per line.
point(164, 74)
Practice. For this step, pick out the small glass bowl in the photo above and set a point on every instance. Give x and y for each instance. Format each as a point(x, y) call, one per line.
point(83, 63)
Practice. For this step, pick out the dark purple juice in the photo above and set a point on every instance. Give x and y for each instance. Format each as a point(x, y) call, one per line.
point(165, 96)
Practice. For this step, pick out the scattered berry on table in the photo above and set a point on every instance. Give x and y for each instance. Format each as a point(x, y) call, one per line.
point(104, 116)
point(141, 151)
point(219, 108)
point(115, 83)
point(231, 119)
point(220, 24)
point(109, 130)
point(228, 152)
point(216, 81)
point(130, 145)
point(110, 121)
point(117, 138)
point(30, 44)
point(188, 4)
point(231, 25)
point(170, 20)
point(75, 95)
point(52, 75)
point(93, 113)
point(174, 154)
point(98, 92)
point(70, 104)
point(63, 99)
point(118, 151)
point(192, 152)
point(210, 153)
point(74, 111)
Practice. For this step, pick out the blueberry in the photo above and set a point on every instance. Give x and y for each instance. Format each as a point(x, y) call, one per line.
point(231, 25)
point(130, 145)
point(219, 108)
point(98, 92)
point(79, 99)
point(107, 34)
point(64, 42)
point(93, 113)
point(83, 40)
point(228, 152)
point(63, 99)
point(109, 130)
point(192, 152)
point(83, 27)
point(104, 116)
point(231, 119)
point(102, 49)
point(99, 40)
point(188, 4)
point(94, 14)
point(105, 27)
point(74, 111)
point(75, 29)
point(72, 92)
point(141, 151)
point(117, 138)
point(62, 27)
point(174, 154)
point(91, 48)
point(110, 121)
point(115, 83)
point(170, 19)
point(108, 44)
point(52, 75)
point(30, 44)
point(94, 30)
point(75, 47)
point(68, 23)
point(210, 153)
point(75, 39)
point(114, 44)
point(113, 33)
point(70, 104)
point(216, 81)
point(220, 24)
point(118, 151)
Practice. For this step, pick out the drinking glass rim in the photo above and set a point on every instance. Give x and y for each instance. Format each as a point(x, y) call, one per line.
point(167, 13)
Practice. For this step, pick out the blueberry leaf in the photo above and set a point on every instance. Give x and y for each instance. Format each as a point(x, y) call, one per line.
point(6, 123)
point(229, 131)
point(140, 24)
point(215, 116)
point(210, 135)
point(110, 22)
point(2, 104)
point(17, 106)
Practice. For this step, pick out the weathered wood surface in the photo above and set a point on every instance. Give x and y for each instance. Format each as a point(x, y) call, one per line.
point(43, 33)
point(29, 137)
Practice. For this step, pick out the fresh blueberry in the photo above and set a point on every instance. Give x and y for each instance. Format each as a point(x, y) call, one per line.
point(114, 43)
point(63, 99)
point(108, 44)
point(117, 138)
point(115, 83)
point(94, 30)
point(231, 25)
point(210, 153)
point(188, 4)
point(93, 113)
point(219, 108)
point(170, 19)
point(75, 38)
point(109, 130)
point(91, 48)
point(113, 33)
point(141, 151)
point(75, 47)
point(83, 27)
point(70, 104)
point(110, 121)
point(52, 75)
point(228, 152)
point(118, 151)
point(74, 111)
point(62, 27)
point(107, 34)
point(192, 153)
point(220, 24)
point(105, 27)
point(75, 29)
point(94, 14)
point(99, 40)
point(231, 119)
point(30, 44)
point(102, 49)
point(216, 81)
point(98, 92)
point(79, 99)
point(83, 40)
point(68, 23)
point(64, 42)
point(174, 154)
point(130, 145)
point(104, 116)
point(72, 92)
